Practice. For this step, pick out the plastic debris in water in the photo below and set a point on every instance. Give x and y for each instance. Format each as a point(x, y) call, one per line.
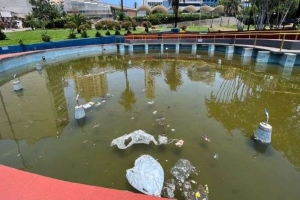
point(160, 121)
point(206, 138)
point(194, 182)
point(216, 156)
point(173, 129)
point(179, 143)
point(91, 103)
point(85, 106)
point(154, 112)
point(136, 137)
point(96, 125)
point(182, 170)
point(143, 90)
point(162, 139)
point(97, 104)
point(197, 195)
point(206, 189)
point(150, 102)
point(103, 101)
point(147, 176)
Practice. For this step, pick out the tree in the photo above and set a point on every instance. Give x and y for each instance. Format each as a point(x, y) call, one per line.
point(78, 19)
point(30, 21)
point(45, 12)
point(175, 6)
point(2, 34)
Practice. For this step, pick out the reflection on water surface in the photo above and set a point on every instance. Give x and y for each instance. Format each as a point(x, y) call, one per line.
point(196, 97)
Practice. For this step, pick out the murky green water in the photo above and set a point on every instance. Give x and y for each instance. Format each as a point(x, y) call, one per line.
point(38, 132)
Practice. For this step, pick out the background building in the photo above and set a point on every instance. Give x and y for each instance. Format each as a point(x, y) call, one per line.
point(12, 11)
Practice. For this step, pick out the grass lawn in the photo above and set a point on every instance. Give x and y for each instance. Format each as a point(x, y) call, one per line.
point(35, 36)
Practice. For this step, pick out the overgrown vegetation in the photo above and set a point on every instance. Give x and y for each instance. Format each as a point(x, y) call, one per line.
point(2, 34)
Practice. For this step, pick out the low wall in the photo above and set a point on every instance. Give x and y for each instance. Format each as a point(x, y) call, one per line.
point(61, 44)
point(28, 61)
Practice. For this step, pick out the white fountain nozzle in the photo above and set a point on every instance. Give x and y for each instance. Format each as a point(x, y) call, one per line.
point(267, 115)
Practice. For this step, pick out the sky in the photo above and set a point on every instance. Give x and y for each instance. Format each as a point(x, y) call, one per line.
point(129, 3)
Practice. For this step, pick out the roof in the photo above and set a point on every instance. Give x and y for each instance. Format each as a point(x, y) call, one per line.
point(160, 8)
point(144, 7)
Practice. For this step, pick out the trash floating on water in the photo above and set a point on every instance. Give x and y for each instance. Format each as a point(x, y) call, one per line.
point(173, 129)
point(154, 112)
point(96, 125)
point(179, 143)
point(216, 156)
point(160, 121)
point(137, 137)
point(91, 103)
point(86, 106)
point(150, 102)
point(169, 188)
point(206, 138)
point(147, 176)
point(162, 139)
point(132, 117)
point(97, 104)
point(206, 189)
point(168, 125)
point(183, 169)
point(143, 90)
point(103, 101)
point(84, 141)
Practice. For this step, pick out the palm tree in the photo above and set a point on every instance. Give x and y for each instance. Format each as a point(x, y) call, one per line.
point(78, 19)
point(175, 6)
point(127, 96)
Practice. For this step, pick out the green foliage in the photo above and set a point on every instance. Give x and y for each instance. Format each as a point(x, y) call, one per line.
point(117, 26)
point(84, 27)
point(45, 37)
point(117, 32)
point(119, 15)
point(1, 25)
point(72, 36)
point(107, 32)
point(59, 22)
point(44, 12)
point(147, 24)
point(2, 35)
point(84, 34)
point(99, 25)
point(127, 25)
point(78, 19)
point(98, 34)
point(110, 24)
point(134, 24)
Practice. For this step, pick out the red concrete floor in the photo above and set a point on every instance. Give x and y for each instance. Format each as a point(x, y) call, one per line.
point(20, 185)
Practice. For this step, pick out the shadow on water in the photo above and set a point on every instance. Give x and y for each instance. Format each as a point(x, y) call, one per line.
point(259, 147)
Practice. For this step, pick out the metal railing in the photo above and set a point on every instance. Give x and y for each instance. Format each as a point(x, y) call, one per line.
point(280, 37)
